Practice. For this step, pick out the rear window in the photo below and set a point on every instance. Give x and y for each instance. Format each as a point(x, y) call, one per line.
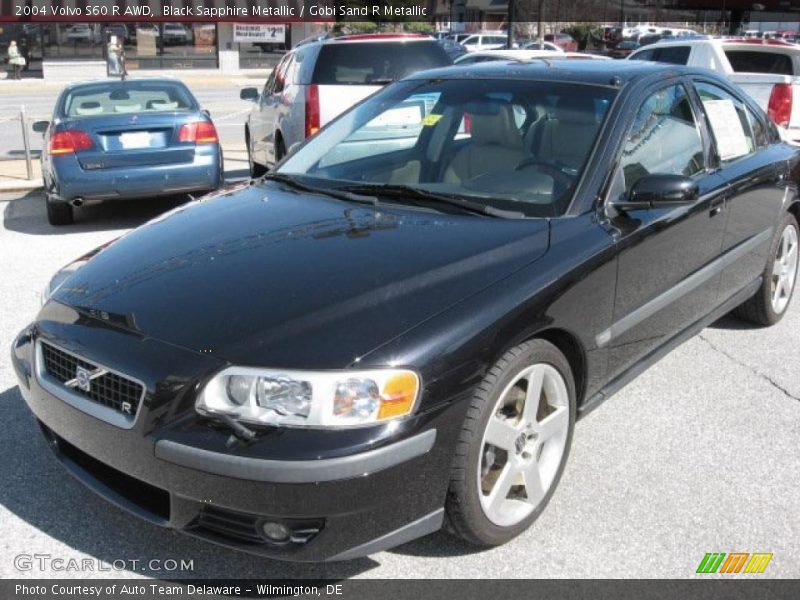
point(127, 97)
point(341, 63)
point(749, 61)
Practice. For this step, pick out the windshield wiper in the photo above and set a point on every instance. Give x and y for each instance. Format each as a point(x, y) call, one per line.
point(338, 193)
point(410, 193)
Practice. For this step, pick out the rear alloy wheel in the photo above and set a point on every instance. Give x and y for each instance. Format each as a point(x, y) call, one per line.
point(769, 303)
point(59, 213)
point(513, 446)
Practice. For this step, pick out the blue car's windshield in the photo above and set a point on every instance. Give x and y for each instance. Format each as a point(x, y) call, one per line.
point(116, 97)
point(514, 145)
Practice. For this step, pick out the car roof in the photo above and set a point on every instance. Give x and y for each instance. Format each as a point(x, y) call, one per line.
point(120, 82)
point(595, 72)
point(519, 54)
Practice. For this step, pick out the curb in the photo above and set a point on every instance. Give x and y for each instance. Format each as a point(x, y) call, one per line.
point(22, 187)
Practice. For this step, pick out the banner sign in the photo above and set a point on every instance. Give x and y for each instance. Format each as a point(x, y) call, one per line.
point(259, 33)
point(262, 11)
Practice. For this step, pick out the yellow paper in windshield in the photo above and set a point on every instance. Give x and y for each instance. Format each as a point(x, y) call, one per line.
point(431, 120)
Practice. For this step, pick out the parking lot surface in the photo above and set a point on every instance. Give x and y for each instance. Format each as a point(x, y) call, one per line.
point(700, 454)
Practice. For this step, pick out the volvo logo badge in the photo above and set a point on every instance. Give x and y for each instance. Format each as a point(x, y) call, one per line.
point(83, 379)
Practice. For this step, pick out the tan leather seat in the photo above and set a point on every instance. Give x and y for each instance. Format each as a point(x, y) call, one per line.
point(496, 145)
point(567, 134)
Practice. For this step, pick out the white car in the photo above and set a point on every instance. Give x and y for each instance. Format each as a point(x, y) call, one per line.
point(768, 70)
point(522, 55)
point(316, 82)
point(485, 41)
point(542, 46)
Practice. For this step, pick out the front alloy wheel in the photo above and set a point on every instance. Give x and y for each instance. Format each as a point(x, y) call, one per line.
point(513, 445)
point(784, 269)
point(769, 303)
point(523, 444)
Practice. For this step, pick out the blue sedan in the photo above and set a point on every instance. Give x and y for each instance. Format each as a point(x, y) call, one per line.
point(137, 138)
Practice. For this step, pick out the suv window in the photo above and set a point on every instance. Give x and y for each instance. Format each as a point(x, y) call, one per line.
point(664, 139)
point(340, 63)
point(643, 55)
point(749, 61)
point(674, 55)
point(735, 128)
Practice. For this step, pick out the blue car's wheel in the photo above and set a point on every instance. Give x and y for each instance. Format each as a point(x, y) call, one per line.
point(59, 213)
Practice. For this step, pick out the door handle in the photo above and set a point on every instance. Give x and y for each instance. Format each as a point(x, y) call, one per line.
point(715, 211)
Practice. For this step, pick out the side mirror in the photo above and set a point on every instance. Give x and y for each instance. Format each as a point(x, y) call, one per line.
point(659, 191)
point(249, 93)
point(40, 126)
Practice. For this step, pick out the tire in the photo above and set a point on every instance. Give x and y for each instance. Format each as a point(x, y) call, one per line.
point(280, 151)
point(59, 213)
point(478, 466)
point(256, 169)
point(765, 307)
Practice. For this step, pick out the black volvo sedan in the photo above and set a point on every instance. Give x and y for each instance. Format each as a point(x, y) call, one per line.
point(399, 326)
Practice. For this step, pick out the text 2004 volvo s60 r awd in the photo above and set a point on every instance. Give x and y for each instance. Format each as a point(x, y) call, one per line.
point(400, 325)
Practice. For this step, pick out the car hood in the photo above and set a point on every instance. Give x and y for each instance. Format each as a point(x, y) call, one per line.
point(264, 275)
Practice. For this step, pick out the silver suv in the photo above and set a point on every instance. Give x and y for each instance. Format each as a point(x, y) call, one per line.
point(317, 81)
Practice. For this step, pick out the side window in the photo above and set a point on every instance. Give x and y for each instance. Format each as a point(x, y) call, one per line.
point(737, 131)
point(675, 55)
point(664, 139)
point(280, 74)
point(643, 55)
point(270, 83)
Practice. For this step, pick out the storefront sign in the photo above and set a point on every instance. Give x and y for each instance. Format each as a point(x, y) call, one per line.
point(259, 34)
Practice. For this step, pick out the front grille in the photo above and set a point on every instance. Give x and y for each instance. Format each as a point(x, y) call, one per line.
point(109, 389)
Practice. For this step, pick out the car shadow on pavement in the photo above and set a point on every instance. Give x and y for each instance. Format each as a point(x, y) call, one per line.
point(734, 323)
point(27, 214)
point(39, 492)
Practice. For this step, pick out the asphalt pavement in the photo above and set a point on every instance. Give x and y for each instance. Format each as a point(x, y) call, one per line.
point(700, 454)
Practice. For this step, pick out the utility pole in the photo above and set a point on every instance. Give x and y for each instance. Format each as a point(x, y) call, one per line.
point(540, 24)
point(510, 21)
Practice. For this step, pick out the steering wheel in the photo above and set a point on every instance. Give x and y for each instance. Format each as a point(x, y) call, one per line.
point(548, 168)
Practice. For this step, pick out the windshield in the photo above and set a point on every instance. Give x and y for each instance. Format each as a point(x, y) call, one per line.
point(512, 145)
point(127, 97)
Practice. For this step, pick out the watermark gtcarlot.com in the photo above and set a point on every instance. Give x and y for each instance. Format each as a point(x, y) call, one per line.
point(48, 562)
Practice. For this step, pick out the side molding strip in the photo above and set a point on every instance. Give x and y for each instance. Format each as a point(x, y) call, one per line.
point(685, 286)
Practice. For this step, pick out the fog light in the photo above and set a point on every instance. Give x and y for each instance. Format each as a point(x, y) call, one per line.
point(275, 532)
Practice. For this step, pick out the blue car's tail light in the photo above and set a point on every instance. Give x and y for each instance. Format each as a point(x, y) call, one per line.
point(67, 142)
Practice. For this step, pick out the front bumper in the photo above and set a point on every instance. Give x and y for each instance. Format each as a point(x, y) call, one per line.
point(68, 181)
point(341, 494)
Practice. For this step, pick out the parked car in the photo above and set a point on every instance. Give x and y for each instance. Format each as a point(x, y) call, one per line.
point(623, 49)
point(458, 37)
point(563, 40)
point(317, 81)
point(321, 364)
point(768, 70)
point(176, 33)
point(81, 32)
point(137, 138)
point(522, 55)
point(485, 41)
point(535, 45)
point(452, 49)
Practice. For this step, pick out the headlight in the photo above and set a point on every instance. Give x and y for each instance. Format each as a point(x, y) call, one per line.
point(310, 399)
point(60, 277)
